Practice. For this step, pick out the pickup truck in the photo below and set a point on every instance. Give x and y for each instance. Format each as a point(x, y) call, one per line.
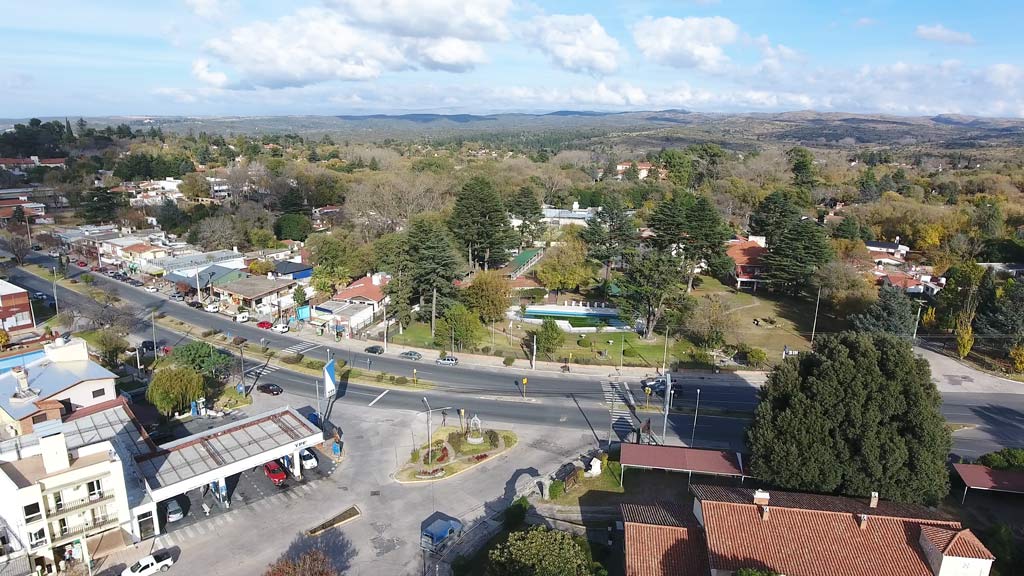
point(147, 565)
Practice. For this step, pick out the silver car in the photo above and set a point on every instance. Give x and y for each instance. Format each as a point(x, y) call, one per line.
point(411, 355)
point(447, 361)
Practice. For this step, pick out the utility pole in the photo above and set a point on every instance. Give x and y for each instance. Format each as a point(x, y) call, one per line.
point(430, 412)
point(664, 354)
point(611, 422)
point(913, 339)
point(668, 406)
point(152, 322)
point(56, 304)
point(533, 358)
point(695, 410)
point(385, 308)
point(814, 327)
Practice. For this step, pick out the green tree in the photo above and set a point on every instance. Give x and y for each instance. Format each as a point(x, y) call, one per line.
point(201, 357)
point(858, 414)
point(480, 224)
point(894, 312)
point(489, 296)
point(773, 216)
point(679, 166)
point(651, 279)
point(525, 206)
point(110, 345)
point(173, 389)
point(435, 264)
point(549, 337)
point(1003, 323)
point(336, 258)
point(261, 238)
point(755, 572)
point(5, 339)
point(844, 288)
point(632, 174)
point(194, 185)
point(711, 321)
point(458, 323)
point(100, 205)
point(848, 228)
point(299, 296)
point(801, 164)
point(19, 214)
point(565, 267)
point(1005, 459)
point(538, 552)
point(705, 235)
point(668, 220)
point(793, 260)
point(609, 233)
point(292, 227)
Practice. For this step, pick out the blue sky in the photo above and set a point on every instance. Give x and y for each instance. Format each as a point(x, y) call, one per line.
point(241, 57)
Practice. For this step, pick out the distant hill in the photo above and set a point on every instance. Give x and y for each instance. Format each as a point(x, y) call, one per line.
point(585, 128)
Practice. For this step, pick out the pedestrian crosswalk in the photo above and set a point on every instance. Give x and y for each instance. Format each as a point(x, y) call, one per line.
point(620, 412)
point(260, 370)
point(301, 348)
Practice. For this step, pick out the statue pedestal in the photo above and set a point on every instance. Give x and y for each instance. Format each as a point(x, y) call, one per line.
point(475, 440)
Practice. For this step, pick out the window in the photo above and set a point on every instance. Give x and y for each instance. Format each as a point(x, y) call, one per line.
point(62, 525)
point(33, 513)
point(58, 501)
point(98, 393)
point(36, 538)
point(95, 490)
point(39, 418)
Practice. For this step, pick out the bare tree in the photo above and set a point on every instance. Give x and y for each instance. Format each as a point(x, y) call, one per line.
point(711, 322)
point(20, 248)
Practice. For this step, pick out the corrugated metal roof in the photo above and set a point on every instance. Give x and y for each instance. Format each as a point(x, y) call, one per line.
point(681, 459)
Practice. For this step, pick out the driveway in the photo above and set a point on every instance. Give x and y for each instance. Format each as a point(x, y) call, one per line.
point(952, 376)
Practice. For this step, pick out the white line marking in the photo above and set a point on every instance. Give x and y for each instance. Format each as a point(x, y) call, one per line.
point(379, 396)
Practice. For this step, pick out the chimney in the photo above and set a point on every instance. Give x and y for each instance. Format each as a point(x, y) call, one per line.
point(375, 279)
point(862, 521)
point(874, 500)
point(764, 513)
point(761, 497)
point(234, 249)
point(575, 206)
point(21, 375)
point(53, 446)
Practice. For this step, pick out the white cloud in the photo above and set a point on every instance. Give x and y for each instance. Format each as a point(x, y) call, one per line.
point(206, 8)
point(774, 56)
point(577, 43)
point(449, 54)
point(865, 21)
point(476, 20)
point(201, 70)
point(1005, 75)
point(939, 33)
point(686, 42)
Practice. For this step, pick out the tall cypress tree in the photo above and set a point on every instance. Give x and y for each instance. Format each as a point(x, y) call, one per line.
point(480, 224)
point(792, 261)
point(610, 233)
point(525, 206)
point(773, 216)
point(435, 263)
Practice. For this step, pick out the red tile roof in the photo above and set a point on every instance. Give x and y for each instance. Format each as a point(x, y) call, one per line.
point(952, 542)
point(746, 252)
point(681, 459)
point(364, 289)
point(16, 161)
point(901, 280)
point(803, 500)
point(52, 161)
point(985, 478)
point(664, 551)
point(140, 248)
point(660, 514)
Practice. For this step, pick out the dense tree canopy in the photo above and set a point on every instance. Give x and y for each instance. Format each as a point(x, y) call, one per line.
point(893, 313)
point(481, 225)
point(801, 250)
point(859, 414)
point(172, 389)
point(650, 281)
point(538, 552)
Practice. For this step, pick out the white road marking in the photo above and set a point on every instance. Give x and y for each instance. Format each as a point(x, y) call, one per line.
point(379, 396)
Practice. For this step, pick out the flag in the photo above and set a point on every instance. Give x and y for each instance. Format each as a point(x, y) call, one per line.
point(330, 381)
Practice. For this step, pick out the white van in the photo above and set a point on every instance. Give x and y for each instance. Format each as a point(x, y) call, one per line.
point(242, 316)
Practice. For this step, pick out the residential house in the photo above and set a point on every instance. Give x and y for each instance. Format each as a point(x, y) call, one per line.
point(190, 264)
point(343, 318)
point(922, 284)
point(798, 534)
point(643, 168)
point(206, 279)
point(747, 253)
point(15, 308)
point(31, 209)
point(301, 273)
point(137, 255)
point(263, 294)
point(271, 254)
point(892, 253)
point(368, 290)
point(557, 217)
point(324, 216)
point(63, 380)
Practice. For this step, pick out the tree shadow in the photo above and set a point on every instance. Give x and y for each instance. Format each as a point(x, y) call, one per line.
point(1003, 425)
point(334, 544)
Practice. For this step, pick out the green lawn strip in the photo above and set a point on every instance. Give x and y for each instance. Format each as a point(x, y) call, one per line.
point(607, 482)
point(350, 513)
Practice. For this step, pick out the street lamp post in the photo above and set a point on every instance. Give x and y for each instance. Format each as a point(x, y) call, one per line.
point(56, 305)
point(693, 433)
point(429, 412)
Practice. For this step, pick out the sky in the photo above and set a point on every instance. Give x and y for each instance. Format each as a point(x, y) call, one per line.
point(299, 57)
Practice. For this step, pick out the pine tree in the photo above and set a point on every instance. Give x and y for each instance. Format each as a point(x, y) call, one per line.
point(650, 281)
point(611, 170)
point(610, 233)
point(632, 174)
point(848, 229)
point(773, 216)
point(801, 164)
point(668, 221)
point(894, 313)
point(799, 252)
point(69, 136)
point(480, 224)
point(706, 234)
point(526, 207)
point(434, 262)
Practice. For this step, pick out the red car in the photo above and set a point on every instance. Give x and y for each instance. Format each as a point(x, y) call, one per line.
point(81, 263)
point(266, 325)
point(274, 471)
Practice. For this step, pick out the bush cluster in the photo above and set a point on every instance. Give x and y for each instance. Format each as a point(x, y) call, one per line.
point(492, 438)
point(556, 489)
point(292, 359)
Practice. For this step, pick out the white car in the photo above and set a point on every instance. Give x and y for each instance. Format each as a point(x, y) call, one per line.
point(151, 288)
point(308, 460)
point(53, 254)
point(280, 328)
point(212, 307)
point(242, 317)
point(157, 562)
point(174, 511)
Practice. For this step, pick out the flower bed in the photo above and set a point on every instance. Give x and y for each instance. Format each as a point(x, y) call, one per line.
point(479, 457)
point(435, 473)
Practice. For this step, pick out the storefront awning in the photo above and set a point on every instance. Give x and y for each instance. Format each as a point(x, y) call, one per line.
point(106, 543)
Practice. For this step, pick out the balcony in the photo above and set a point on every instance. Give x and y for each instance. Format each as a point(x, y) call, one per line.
point(65, 508)
point(75, 532)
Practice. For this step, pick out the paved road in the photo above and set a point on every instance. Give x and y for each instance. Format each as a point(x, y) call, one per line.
point(996, 420)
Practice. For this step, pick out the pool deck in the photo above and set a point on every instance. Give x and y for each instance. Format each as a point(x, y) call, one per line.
point(583, 311)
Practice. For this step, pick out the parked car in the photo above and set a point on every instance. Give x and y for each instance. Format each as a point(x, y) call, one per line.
point(447, 361)
point(212, 307)
point(177, 297)
point(81, 263)
point(174, 511)
point(378, 350)
point(275, 473)
point(136, 283)
point(265, 324)
point(280, 328)
point(156, 562)
point(147, 346)
point(272, 389)
point(38, 296)
point(242, 316)
point(152, 288)
point(308, 459)
point(411, 355)
point(53, 254)
point(37, 247)
point(195, 304)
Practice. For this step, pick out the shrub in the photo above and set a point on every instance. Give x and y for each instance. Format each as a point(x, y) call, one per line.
point(629, 353)
point(456, 440)
point(380, 376)
point(292, 359)
point(238, 340)
point(208, 333)
point(480, 457)
point(391, 378)
point(515, 514)
point(161, 314)
point(414, 456)
point(508, 361)
point(701, 356)
point(485, 349)
point(757, 357)
point(556, 490)
point(314, 364)
point(401, 380)
point(87, 278)
point(604, 461)
point(584, 342)
point(492, 438)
